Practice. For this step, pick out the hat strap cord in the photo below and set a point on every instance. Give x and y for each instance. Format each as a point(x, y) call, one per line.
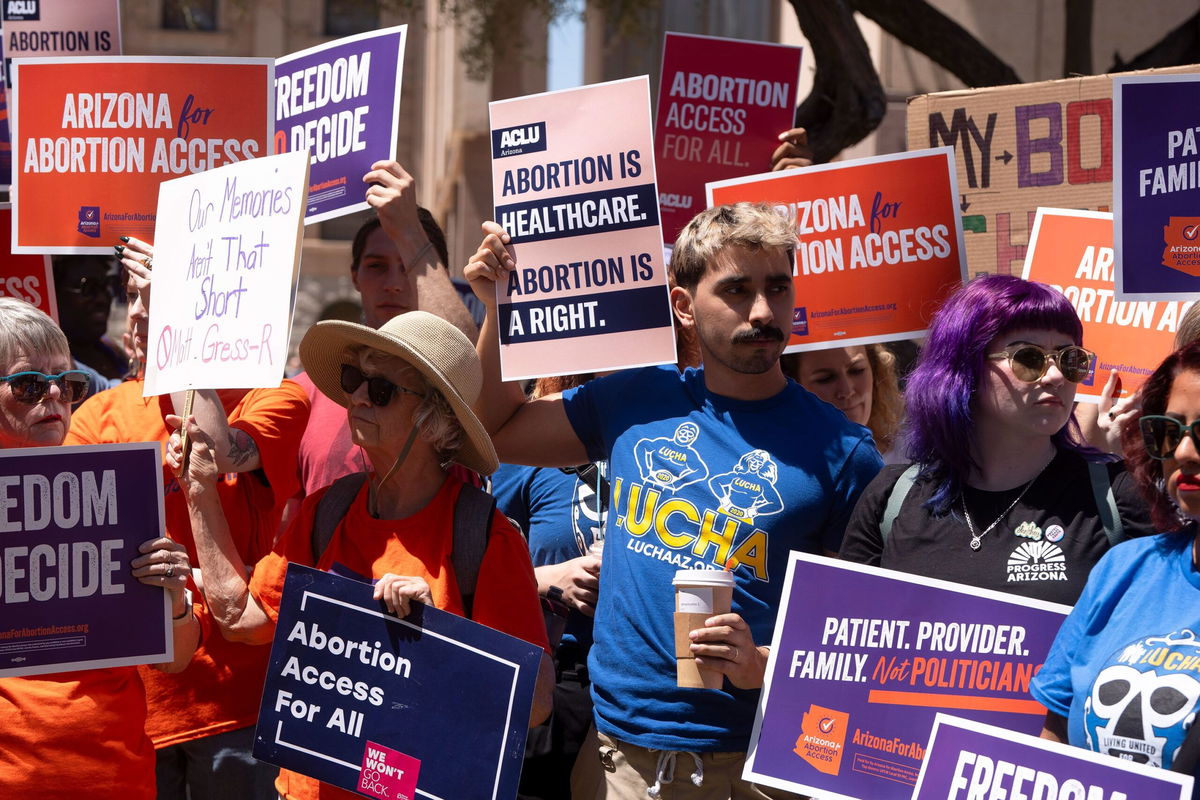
point(408, 443)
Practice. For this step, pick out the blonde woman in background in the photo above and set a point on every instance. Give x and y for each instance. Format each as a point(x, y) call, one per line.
point(861, 383)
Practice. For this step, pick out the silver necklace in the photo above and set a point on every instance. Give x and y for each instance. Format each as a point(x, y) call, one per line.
point(977, 538)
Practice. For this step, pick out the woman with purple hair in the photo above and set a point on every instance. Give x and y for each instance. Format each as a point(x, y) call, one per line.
point(1002, 493)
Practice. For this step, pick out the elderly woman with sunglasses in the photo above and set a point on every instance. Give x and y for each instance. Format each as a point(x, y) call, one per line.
point(88, 726)
point(1002, 494)
point(408, 389)
point(1123, 675)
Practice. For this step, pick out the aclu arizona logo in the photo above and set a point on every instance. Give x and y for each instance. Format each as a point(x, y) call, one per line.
point(89, 221)
point(22, 10)
point(520, 140)
point(823, 738)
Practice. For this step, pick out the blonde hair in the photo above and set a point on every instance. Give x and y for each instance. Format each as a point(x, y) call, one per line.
point(755, 226)
point(25, 329)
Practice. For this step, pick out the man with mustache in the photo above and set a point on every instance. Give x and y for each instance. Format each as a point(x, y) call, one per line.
point(796, 463)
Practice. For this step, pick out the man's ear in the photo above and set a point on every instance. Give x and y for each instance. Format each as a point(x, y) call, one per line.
point(681, 304)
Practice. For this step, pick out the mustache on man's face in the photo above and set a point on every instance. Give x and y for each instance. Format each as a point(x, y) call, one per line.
point(758, 333)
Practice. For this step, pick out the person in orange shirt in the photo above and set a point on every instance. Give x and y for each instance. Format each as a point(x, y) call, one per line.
point(83, 728)
point(408, 388)
point(202, 720)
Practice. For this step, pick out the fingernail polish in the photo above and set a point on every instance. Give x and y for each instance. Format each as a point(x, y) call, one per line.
point(125, 239)
point(119, 249)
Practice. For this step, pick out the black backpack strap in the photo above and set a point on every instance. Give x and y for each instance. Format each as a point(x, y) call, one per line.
point(332, 508)
point(472, 529)
point(900, 491)
point(1106, 502)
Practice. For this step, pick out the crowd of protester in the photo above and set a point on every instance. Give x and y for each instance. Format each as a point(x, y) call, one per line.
point(380, 457)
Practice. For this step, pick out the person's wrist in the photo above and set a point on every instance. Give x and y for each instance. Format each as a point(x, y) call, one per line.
point(184, 615)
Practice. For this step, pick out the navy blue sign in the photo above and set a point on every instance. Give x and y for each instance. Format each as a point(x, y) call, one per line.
point(360, 699)
point(71, 520)
point(540, 220)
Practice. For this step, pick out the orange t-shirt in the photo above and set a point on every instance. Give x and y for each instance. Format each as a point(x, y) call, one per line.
point(505, 591)
point(221, 689)
point(75, 733)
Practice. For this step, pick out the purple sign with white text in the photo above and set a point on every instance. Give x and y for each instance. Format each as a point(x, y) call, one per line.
point(341, 102)
point(1156, 187)
point(71, 521)
point(863, 659)
point(966, 760)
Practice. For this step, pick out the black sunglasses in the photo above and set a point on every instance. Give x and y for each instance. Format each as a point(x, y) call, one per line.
point(1030, 362)
point(1162, 435)
point(30, 387)
point(379, 389)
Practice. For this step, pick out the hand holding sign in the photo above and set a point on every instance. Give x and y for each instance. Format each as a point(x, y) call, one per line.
point(794, 152)
point(491, 264)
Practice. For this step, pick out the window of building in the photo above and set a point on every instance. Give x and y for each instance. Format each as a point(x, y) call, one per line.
point(348, 17)
point(189, 15)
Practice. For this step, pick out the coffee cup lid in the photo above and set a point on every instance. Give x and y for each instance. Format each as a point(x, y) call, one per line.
point(702, 577)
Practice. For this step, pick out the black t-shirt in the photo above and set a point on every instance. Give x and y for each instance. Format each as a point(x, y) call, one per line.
point(1043, 548)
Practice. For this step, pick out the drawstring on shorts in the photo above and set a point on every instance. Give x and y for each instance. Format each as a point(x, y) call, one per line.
point(665, 771)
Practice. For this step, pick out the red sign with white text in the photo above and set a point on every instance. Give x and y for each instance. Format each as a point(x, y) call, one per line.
point(95, 137)
point(722, 104)
point(879, 244)
point(25, 277)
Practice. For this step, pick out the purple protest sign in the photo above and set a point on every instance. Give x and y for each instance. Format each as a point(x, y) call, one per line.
point(341, 101)
point(863, 659)
point(1156, 187)
point(71, 520)
point(966, 760)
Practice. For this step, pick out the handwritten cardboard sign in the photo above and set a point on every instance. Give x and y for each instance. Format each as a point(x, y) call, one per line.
point(879, 244)
point(71, 520)
point(1073, 252)
point(432, 705)
point(96, 136)
point(1156, 188)
point(966, 758)
point(224, 275)
point(862, 660)
point(722, 104)
point(28, 278)
point(573, 184)
point(341, 102)
point(50, 28)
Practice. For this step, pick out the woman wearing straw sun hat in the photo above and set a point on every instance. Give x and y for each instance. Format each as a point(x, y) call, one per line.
point(408, 389)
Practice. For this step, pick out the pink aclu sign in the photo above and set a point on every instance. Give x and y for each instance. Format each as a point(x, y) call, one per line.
point(388, 773)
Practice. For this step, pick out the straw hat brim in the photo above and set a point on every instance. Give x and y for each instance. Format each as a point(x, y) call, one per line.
point(323, 351)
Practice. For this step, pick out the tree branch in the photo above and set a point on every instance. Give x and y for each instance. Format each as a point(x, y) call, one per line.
point(1180, 46)
point(930, 32)
point(847, 101)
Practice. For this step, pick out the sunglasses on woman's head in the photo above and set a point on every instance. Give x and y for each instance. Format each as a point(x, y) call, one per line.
point(1162, 435)
point(1030, 362)
point(380, 390)
point(30, 387)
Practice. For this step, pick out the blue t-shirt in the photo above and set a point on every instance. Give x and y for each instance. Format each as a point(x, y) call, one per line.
point(697, 480)
point(1125, 667)
point(559, 514)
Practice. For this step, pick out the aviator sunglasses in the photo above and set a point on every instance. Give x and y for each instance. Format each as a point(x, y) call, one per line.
point(379, 389)
point(1030, 362)
point(1162, 435)
point(30, 387)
